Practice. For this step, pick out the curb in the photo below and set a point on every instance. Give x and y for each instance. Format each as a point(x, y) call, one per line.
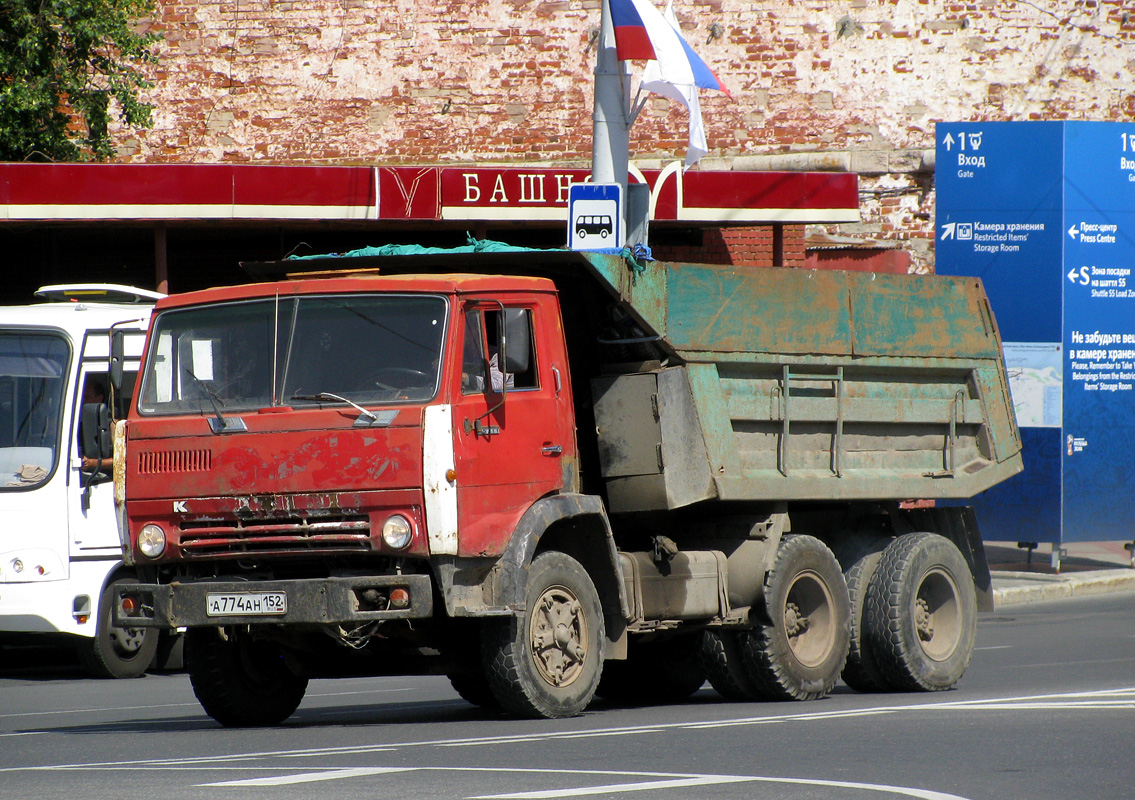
point(1014, 588)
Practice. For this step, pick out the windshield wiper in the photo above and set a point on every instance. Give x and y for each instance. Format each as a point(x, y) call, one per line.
point(220, 423)
point(339, 399)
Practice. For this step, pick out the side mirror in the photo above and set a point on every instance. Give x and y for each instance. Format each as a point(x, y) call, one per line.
point(117, 359)
point(97, 438)
point(518, 339)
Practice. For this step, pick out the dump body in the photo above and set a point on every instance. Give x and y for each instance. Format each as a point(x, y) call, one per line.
point(808, 385)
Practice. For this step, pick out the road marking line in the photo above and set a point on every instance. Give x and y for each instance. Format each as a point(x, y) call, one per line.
point(311, 777)
point(644, 786)
point(1087, 701)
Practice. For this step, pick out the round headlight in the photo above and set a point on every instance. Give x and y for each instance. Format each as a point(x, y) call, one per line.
point(151, 541)
point(397, 532)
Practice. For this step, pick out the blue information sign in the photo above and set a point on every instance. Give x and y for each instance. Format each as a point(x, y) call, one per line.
point(1044, 214)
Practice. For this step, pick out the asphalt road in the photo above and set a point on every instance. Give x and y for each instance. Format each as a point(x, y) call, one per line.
point(1047, 710)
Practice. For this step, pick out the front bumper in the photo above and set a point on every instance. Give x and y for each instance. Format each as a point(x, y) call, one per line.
point(319, 601)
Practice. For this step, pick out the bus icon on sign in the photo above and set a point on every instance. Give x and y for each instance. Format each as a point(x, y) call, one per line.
point(595, 216)
point(599, 225)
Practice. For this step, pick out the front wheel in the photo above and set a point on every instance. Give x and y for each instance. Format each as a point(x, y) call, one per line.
point(117, 652)
point(798, 645)
point(921, 613)
point(241, 682)
point(547, 661)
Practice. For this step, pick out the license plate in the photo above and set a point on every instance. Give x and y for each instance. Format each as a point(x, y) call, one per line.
point(246, 604)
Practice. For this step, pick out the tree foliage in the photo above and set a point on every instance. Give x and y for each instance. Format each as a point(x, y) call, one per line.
point(65, 67)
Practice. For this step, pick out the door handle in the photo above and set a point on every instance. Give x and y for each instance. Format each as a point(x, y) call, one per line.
point(552, 450)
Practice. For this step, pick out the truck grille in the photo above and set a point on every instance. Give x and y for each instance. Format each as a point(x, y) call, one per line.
point(290, 536)
point(165, 461)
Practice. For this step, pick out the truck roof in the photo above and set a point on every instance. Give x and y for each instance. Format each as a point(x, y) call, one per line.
point(351, 281)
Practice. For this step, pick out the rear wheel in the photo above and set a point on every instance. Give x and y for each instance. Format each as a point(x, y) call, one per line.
point(798, 645)
point(921, 621)
point(861, 672)
point(722, 660)
point(241, 682)
point(117, 652)
point(547, 661)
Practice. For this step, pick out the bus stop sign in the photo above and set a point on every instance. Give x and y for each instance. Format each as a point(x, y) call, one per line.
point(595, 216)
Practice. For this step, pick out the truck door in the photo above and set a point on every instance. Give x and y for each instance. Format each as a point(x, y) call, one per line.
point(513, 431)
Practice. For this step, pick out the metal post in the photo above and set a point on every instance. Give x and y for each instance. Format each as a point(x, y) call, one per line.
point(610, 136)
point(161, 259)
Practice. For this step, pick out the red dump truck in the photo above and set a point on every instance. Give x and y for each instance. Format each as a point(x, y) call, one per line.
point(548, 474)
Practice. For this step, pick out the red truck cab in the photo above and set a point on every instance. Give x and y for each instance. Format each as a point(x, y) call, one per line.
point(349, 429)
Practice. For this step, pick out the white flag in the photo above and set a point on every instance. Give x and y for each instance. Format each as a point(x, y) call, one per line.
point(679, 85)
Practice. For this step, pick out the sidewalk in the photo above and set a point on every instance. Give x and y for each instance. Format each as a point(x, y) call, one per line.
point(1084, 568)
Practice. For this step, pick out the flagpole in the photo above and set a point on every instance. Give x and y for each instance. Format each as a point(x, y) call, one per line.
point(610, 138)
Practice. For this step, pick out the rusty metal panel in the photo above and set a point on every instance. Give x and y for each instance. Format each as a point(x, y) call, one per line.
point(916, 316)
point(715, 309)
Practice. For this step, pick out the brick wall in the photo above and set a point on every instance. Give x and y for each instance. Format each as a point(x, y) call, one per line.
point(509, 81)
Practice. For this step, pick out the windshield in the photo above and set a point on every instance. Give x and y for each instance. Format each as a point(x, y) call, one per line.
point(368, 349)
point(32, 371)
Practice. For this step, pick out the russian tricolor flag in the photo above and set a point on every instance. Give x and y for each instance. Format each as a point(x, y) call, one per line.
point(642, 32)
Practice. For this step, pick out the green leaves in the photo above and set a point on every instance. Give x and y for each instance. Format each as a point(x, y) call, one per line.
point(66, 67)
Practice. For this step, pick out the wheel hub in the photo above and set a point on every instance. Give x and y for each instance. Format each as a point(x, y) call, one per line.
point(809, 621)
point(938, 615)
point(559, 631)
point(126, 641)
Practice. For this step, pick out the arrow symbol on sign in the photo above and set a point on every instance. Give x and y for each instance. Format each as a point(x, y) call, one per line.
point(1073, 232)
point(948, 230)
point(949, 142)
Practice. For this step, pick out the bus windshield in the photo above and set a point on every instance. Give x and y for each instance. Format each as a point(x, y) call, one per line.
point(366, 349)
point(33, 368)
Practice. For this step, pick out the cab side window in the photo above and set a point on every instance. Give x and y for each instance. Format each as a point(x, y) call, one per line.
point(481, 365)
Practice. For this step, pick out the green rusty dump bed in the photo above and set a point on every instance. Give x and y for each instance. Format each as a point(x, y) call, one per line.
point(775, 384)
point(808, 385)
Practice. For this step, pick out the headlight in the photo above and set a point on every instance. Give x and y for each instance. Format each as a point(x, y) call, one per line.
point(397, 532)
point(152, 541)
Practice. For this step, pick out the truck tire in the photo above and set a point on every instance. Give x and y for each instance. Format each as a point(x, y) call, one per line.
point(117, 652)
point(921, 621)
point(861, 672)
point(799, 641)
point(722, 661)
point(666, 671)
point(241, 682)
point(547, 661)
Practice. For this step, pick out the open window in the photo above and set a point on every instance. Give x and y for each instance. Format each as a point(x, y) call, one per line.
point(488, 333)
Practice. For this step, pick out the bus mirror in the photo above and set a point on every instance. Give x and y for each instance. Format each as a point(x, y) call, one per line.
point(97, 439)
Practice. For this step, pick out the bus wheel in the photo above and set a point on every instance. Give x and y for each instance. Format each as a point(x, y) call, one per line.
point(241, 682)
point(117, 652)
point(921, 613)
point(547, 661)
